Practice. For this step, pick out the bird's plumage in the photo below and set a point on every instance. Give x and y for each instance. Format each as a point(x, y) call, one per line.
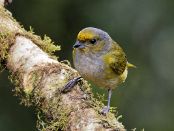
point(104, 63)
point(116, 59)
point(100, 59)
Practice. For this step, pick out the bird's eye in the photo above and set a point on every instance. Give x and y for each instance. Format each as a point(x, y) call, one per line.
point(93, 41)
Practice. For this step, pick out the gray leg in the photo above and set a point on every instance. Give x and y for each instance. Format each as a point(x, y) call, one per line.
point(106, 108)
point(71, 84)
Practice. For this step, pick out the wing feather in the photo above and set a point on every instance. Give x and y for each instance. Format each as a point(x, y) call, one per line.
point(116, 58)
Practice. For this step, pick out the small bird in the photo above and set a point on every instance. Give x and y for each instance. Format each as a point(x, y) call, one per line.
point(100, 60)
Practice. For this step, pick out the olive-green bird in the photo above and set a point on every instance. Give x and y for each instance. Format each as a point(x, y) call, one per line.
point(99, 59)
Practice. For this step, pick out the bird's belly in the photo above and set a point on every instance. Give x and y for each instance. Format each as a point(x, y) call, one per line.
point(93, 69)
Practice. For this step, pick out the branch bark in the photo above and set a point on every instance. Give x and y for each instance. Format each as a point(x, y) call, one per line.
point(39, 77)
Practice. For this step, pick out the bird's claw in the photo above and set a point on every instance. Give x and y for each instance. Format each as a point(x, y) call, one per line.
point(105, 110)
point(71, 84)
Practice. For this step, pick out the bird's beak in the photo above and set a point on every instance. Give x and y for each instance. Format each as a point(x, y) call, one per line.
point(79, 45)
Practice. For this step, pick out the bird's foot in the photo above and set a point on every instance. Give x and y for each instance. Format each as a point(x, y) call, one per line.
point(105, 110)
point(71, 84)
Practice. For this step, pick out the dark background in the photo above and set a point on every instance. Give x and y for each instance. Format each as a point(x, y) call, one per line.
point(144, 28)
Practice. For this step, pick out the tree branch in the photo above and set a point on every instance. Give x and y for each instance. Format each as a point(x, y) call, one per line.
point(39, 77)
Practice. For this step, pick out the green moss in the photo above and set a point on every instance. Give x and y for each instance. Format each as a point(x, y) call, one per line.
point(46, 44)
point(94, 102)
point(6, 14)
point(97, 104)
point(51, 114)
point(18, 90)
point(26, 94)
point(66, 62)
point(58, 115)
point(53, 124)
point(49, 46)
point(6, 39)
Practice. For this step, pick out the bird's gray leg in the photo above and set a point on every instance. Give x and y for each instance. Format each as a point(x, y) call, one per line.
point(105, 110)
point(71, 84)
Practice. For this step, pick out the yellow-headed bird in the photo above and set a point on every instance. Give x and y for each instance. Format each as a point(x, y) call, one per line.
point(99, 59)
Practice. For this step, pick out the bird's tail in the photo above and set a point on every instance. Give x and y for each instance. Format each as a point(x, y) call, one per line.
point(129, 65)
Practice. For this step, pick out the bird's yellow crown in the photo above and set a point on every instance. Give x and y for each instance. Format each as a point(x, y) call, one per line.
point(85, 35)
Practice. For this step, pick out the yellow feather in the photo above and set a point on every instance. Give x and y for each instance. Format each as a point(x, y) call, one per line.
point(129, 65)
point(87, 35)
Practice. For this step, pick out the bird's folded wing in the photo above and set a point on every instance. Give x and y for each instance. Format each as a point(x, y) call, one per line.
point(116, 59)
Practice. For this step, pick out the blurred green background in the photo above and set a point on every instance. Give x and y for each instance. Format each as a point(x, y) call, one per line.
point(144, 28)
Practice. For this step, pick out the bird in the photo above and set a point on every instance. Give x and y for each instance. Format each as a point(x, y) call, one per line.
point(99, 59)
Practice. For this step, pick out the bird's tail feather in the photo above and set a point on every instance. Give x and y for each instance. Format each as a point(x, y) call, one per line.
point(129, 65)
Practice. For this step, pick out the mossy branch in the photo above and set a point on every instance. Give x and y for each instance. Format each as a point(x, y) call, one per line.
point(38, 78)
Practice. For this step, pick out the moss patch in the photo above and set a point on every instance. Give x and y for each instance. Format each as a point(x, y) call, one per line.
point(18, 90)
point(97, 104)
point(46, 44)
point(6, 14)
point(58, 119)
point(52, 115)
point(6, 40)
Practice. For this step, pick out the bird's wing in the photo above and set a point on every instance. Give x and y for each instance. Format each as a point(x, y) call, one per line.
point(116, 58)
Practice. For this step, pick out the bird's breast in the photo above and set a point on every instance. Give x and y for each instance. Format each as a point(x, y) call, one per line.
point(89, 66)
point(92, 67)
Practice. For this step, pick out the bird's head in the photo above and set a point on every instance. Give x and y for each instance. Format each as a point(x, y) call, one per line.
point(93, 40)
